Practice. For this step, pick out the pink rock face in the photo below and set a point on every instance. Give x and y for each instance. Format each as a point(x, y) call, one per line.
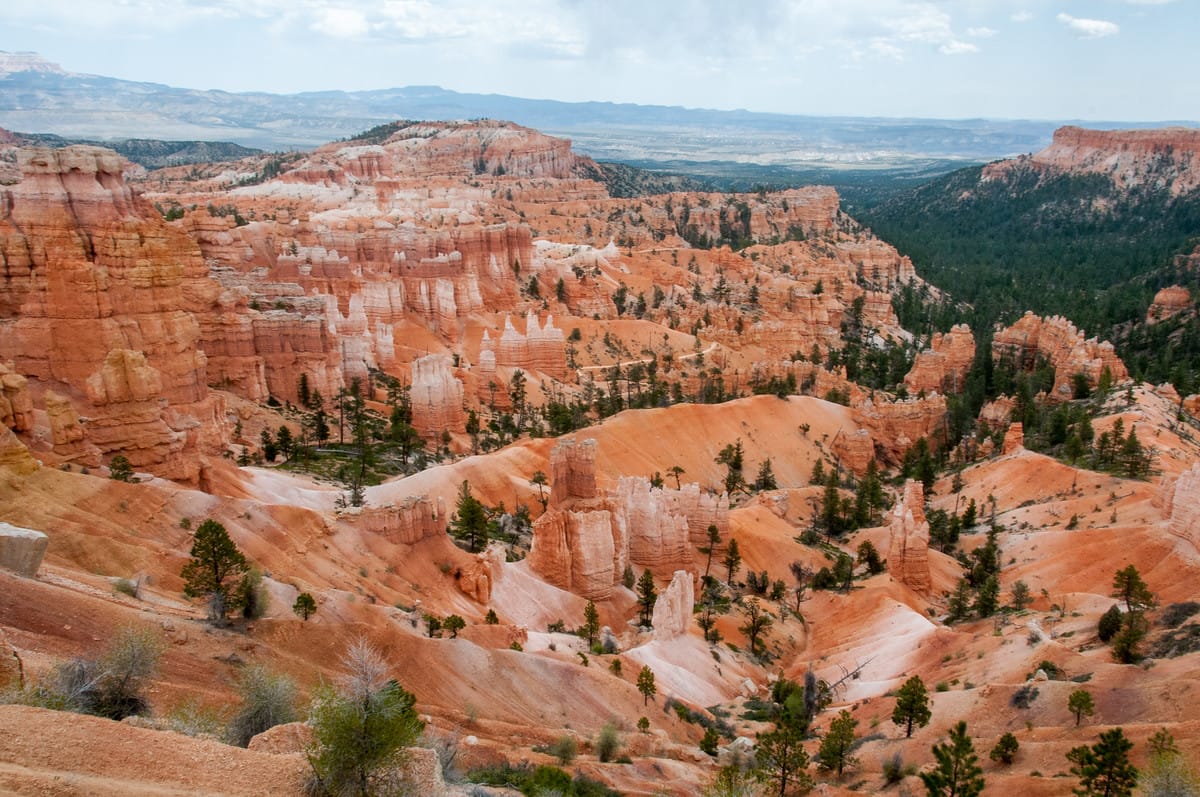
point(673, 609)
point(68, 434)
point(702, 509)
point(476, 577)
point(1168, 302)
point(16, 404)
point(437, 398)
point(418, 518)
point(1128, 157)
point(575, 550)
point(656, 537)
point(572, 471)
point(1184, 507)
point(997, 413)
point(14, 456)
point(944, 365)
point(854, 450)
point(1014, 439)
point(908, 554)
point(541, 349)
point(94, 270)
point(895, 426)
point(12, 674)
point(1065, 348)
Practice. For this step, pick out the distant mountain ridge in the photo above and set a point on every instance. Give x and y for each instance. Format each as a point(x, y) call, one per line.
point(38, 95)
point(149, 152)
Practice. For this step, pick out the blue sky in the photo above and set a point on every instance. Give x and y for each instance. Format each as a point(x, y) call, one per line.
point(1134, 60)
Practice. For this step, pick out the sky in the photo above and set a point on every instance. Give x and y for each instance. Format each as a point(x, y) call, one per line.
point(1114, 60)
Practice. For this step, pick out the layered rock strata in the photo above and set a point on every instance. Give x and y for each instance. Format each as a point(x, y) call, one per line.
point(673, 609)
point(944, 365)
point(908, 552)
point(1063, 346)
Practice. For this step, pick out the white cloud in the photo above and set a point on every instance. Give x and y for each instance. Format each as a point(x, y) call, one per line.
point(982, 32)
point(1089, 28)
point(955, 47)
point(341, 23)
point(1021, 16)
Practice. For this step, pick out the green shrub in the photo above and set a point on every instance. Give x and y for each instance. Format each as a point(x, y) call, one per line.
point(608, 743)
point(268, 699)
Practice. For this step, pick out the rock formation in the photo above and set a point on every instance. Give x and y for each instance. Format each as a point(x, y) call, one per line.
point(21, 550)
point(1014, 439)
point(92, 270)
point(702, 509)
point(673, 609)
point(944, 365)
point(908, 553)
point(654, 536)
point(1183, 506)
point(12, 674)
point(417, 518)
point(14, 456)
point(437, 398)
point(16, 404)
point(1169, 301)
point(69, 436)
point(1063, 346)
point(541, 348)
point(896, 425)
point(572, 471)
point(475, 579)
point(584, 541)
point(854, 450)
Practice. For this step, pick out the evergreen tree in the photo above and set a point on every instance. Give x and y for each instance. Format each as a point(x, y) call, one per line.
point(1005, 750)
point(780, 751)
point(958, 773)
point(1104, 769)
point(305, 605)
point(757, 621)
point(765, 480)
point(987, 600)
point(470, 521)
point(912, 705)
point(214, 565)
point(1110, 623)
point(714, 539)
point(1081, 705)
point(647, 596)
point(646, 685)
point(732, 561)
point(591, 623)
point(837, 744)
point(1129, 587)
point(960, 602)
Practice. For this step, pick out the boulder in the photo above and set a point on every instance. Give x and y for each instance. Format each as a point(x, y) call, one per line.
point(291, 737)
point(21, 550)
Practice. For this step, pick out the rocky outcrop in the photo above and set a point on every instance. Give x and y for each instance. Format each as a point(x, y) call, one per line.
point(437, 398)
point(1170, 155)
point(21, 550)
point(572, 471)
point(541, 349)
point(943, 367)
point(1063, 346)
point(1014, 439)
point(14, 456)
point(12, 673)
point(908, 552)
point(896, 425)
point(475, 579)
point(16, 404)
point(68, 434)
point(673, 608)
point(91, 270)
point(575, 550)
point(653, 535)
point(1182, 506)
point(854, 450)
point(1170, 301)
point(998, 412)
point(417, 518)
point(583, 541)
point(702, 509)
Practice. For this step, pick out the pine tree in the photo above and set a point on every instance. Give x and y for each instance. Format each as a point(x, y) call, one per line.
point(757, 621)
point(646, 685)
point(1129, 587)
point(912, 705)
point(1081, 705)
point(960, 602)
point(1104, 769)
point(1005, 750)
point(305, 605)
point(647, 596)
point(780, 751)
point(214, 565)
point(732, 561)
point(470, 519)
point(714, 539)
point(837, 744)
point(591, 623)
point(765, 480)
point(958, 773)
